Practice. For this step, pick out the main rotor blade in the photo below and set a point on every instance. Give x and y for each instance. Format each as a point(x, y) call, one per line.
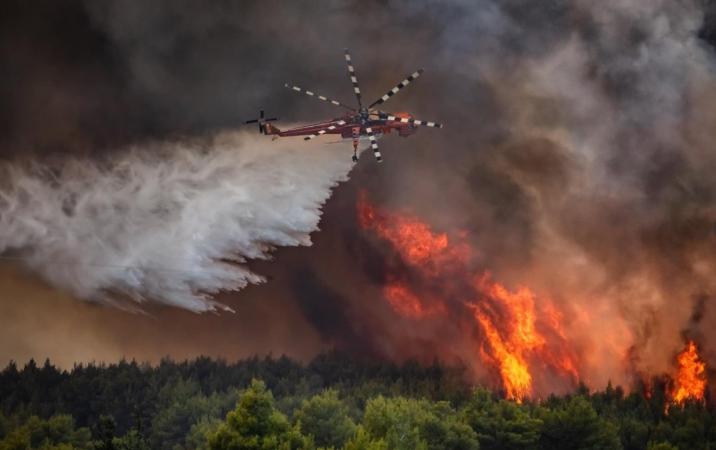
point(320, 97)
point(354, 78)
point(374, 144)
point(409, 79)
point(325, 130)
point(420, 123)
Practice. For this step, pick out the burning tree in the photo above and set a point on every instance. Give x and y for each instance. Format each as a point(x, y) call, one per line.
point(690, 379)
point(519, 337)
point(508, 332)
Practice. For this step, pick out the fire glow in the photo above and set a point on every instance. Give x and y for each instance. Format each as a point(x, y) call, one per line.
point(506, 330)
point(518, 336)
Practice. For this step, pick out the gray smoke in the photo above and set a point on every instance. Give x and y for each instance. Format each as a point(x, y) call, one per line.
point(173, 222)
point(577, 155)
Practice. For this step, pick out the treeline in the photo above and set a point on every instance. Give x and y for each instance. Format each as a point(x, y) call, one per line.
point(333, 402)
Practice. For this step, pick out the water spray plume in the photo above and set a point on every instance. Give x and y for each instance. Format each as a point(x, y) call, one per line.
point(167, 222)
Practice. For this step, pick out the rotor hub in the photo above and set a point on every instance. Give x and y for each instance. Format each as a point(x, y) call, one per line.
point(364, 115)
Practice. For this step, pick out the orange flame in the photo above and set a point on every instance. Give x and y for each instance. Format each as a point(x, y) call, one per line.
point(516, 377)
point(554, 318)
point(509, 321)
point(403, 301)
point(690, 382)
point(521, 306)
point(414, 241)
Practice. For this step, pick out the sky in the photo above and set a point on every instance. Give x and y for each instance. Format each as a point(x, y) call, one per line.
point(136, 211)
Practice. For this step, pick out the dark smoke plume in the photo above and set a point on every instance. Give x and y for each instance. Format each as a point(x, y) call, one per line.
point(578, 152)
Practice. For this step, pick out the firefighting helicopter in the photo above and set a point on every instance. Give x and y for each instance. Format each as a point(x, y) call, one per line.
point(365, 121)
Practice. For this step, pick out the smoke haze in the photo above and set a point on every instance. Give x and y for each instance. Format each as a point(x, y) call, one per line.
point(577, 157)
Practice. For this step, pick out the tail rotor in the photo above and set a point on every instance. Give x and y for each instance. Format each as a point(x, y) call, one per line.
point(261, 121)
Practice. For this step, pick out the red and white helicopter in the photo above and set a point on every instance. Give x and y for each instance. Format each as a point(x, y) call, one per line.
point(356, 123)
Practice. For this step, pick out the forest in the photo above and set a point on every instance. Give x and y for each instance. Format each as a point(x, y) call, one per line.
point(332, 402)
